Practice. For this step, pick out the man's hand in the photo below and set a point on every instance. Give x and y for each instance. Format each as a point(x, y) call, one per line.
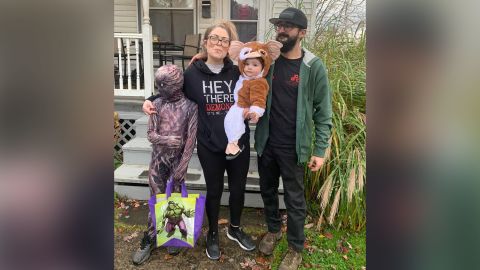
point(315, 163)
point(148, 107)
point(195, 58)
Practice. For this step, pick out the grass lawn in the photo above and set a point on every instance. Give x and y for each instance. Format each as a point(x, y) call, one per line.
point(330, 249)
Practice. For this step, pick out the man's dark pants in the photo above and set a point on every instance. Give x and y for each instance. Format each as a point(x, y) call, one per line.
point(276, 162)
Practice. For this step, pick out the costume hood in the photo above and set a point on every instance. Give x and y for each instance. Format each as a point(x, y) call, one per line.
point(269, 52)
point(169, 80)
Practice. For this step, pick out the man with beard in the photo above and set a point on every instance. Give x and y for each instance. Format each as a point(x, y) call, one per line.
point(294, 130)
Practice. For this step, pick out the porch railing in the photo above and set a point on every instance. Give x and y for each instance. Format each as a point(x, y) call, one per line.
point(129, 66)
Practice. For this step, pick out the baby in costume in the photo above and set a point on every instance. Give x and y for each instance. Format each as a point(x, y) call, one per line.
point(250, 93)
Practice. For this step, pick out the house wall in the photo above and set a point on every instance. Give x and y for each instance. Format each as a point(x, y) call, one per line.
point(308, 8)
point(125, 16)
point(204, 23)
point(267, 9)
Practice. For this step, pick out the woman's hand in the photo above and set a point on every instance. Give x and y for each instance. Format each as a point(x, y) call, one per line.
point(148, 107)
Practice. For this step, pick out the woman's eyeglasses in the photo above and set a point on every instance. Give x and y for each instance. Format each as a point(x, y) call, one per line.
point(214, 39)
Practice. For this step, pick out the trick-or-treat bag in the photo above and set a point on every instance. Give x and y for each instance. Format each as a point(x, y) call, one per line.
point(177, 217)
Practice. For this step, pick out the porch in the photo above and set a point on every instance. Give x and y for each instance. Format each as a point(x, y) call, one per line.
point(138, 54)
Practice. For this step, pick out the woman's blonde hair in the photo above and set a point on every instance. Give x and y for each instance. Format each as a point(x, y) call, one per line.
point(224, 24)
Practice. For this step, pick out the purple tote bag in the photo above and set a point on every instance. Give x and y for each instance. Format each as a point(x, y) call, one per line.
point(155, 205)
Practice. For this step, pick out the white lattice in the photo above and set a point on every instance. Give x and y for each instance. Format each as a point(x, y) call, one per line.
point(127, 133)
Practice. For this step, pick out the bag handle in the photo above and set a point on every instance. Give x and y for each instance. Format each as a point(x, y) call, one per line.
point(168, 190)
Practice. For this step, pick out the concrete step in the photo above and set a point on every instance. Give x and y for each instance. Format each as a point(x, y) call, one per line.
point(139, 152)
point(142, 192)
point(132, 181)
point(141, 126)
point(138, 174)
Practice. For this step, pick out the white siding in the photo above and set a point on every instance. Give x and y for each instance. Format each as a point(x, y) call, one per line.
point(308, 9)
point(268, 9)
point(125, 16)
point(204, 23)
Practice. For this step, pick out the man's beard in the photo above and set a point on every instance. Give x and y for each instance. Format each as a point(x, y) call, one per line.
point(287, 44)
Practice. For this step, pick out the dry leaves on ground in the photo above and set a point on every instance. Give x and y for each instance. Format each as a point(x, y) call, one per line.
point(343, 246)
point(222, 221)
point(248, 263)
point(129, 238)
point(284, 219)
point(309, 225)
point(261, 260)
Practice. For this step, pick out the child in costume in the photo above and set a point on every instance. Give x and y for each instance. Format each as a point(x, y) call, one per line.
point(172, 131)
point(250, 93)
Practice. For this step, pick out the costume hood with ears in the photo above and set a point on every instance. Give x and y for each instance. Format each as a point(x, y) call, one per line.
point(269, 52)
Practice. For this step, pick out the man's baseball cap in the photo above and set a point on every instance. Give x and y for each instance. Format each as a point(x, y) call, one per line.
point(292, 15)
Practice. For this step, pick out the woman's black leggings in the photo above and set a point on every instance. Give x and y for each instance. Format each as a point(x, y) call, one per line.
point(214, 166)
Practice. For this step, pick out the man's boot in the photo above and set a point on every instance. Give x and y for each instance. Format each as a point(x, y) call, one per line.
point(268, 242)
point(291, 261)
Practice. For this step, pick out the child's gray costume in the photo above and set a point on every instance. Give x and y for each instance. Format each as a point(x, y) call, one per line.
point(172, 132)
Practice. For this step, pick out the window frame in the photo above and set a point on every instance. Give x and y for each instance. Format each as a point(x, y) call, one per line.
point(228, 10)
point(193, 9)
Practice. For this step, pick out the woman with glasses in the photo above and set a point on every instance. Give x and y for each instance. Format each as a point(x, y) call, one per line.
point(210, 82)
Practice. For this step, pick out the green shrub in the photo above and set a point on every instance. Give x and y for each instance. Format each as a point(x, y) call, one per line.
point(340, 185)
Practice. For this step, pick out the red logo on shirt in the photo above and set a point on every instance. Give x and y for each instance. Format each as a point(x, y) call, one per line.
point(294, 78)
point(293, 81)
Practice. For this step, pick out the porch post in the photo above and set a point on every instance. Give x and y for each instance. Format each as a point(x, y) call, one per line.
point(147, 48)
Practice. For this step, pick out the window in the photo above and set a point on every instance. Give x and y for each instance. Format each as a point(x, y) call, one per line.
point(244, 14)
point(172, 3)
point(172, 19)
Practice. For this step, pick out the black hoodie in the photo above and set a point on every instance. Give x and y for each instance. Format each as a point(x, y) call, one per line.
point(213, 93)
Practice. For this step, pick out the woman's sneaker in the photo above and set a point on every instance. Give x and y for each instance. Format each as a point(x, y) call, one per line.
point(143, 253)
point(213, 249)
point(244, 240)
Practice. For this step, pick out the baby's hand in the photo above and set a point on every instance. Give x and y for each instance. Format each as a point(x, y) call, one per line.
point(245, 113)
point(253, 117)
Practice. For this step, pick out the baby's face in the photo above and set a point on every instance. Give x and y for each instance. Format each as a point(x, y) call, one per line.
point(252, 67)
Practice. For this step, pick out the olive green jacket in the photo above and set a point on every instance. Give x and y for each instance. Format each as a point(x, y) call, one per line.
point(314, 110)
